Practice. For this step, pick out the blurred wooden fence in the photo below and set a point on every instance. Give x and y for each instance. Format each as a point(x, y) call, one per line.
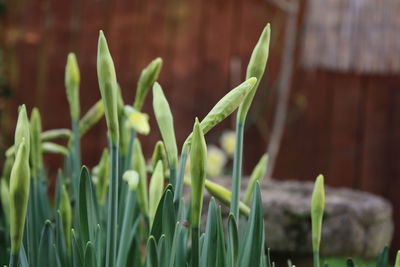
point(344, 125)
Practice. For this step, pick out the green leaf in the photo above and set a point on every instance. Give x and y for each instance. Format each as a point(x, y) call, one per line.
point(151, 255)
point(209, 251)
point(157, 227)
point(221, 251)
point(250, 254)
point(77, 250)
point(349, 263)
point(46, 257)
point(233, 241)
point(60, 239)
point(90, 258)
point(383, 259)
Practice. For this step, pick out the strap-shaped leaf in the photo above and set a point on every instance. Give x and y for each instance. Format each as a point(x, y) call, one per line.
point(250, 254)
point(209, 251)
point(168, 224)
point(157, 227)
point(90, 257)
point(46, 257)
point(77, 250)
point(151, 255)
point(233, 241)
point(221, 251)
point(60, 239)
point(383, 258)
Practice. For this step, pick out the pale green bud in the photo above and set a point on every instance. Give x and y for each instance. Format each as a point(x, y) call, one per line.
point(22, 129)
point(108, 88)
point(36, 142)
point(66, 215)
point(5, 199)
point(317, 211)
point(132, 178)
point(148, 76)
point(72, 80)
point(256, 176)
point(397, 262)
point(256, 68)
point(139, 165)
point(94, 114)
point(165, 123)
point(8, 164)
point(53, 148)
point(155, 190)
point(225, 106)
point(55, 134)
point(19, 195)
point(198, 169)
point(159, 154)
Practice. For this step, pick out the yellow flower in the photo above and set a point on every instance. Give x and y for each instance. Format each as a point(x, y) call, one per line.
point(216, 161)
point(228, 142)
point(137, 120)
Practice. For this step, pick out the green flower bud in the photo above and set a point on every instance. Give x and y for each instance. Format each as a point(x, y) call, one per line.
point(256, 176)
point(159, 154)
point(103, 177)
point(5, 199)
point(137, 120)
point(317, 211)
point(226, 106)
point(156, 190)
point(139, 165)
point(148, 76)
point(55, 134)
point(397, 262)
point(19, 194)
point(8, 164)
point(165, 123)
point(66, 215)
point(256, 68)
point(94, 114)
point(53, 148)
point(72, 80)
point(198, 169)
point(22, 129)
point(108, 88)
point(36, 142)
point(132, 178)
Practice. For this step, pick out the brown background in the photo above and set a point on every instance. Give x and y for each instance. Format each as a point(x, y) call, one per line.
point(344, 125)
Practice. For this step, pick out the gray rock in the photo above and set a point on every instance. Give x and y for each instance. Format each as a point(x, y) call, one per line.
point(355, 223)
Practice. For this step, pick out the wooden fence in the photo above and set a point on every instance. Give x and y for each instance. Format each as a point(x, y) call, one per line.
point(344, 125)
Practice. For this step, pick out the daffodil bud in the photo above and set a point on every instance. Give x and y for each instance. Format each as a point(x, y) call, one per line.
point(397, 262)
point(5, 199)
point(36, 142)
point(22, 129)
point(148, 76)
point(139, 165)
point(94, 114)
point(137, 120)
point(226, 106)
point(198, 168)
point(256, 176)
point(256, 68)
point(165, 123)
point(19, 194)
point(8, 164)
point(55, 134)
point(53, 148)
point(155, 190)
point(72, 80)
point(66, 215)
point(108, 88)
point(132, 179)
point(317, 211)
point(103, 177)
point(159, 154)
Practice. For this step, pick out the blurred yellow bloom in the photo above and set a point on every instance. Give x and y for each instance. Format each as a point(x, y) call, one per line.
point(138, 121)
point(228, 140)
point(216, 160)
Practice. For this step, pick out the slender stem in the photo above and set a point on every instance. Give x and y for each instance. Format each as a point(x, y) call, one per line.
point(14, 260)
point(195, 246)
point(112, 217)
point(316, 258)
point(76, 156)
point(128, 159)
point(180, 174)
point(237, 168)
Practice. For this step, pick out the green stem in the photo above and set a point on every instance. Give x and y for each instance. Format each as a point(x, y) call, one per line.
point(237, 168)
point(180, 174)
point(195, 246)
point(316, 258)
point(112, 208)
point(76, 156)
point(128, 159)
point(14, 260)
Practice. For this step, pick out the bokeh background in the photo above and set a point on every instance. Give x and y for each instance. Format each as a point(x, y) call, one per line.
point(338, 62)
